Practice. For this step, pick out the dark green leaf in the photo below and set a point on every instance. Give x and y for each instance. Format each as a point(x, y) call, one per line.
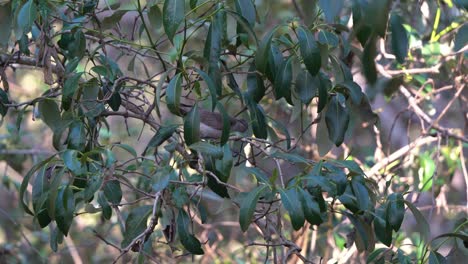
point(310, 51)
point(50, 114)
point(180, 197)
point(382, 229)
point(71, 84)
point(135, 224)
point(360, 192)
point(211, 86)
point(76, 136)
point(173, 15)
point(324, 86)
point(26, 17)
point(306, 86)
point(353, 90)
point(3, 100)
point(337, 119)
point(163, 134)
point(110, 21)
point(292, 204)
point(106, 209)
point(64, 209)
point(368, 63)
point(402, 258)
point(255, 86)
point(341, 71)
point(310, 207)
point(257, 119)
point(247, 206)
point(93, 185)
point(331, 9)
point(189, 241)
point(115, 101)
point(193, 3)
point(395, 210)
point(5, 24)
point(399, 38)
point(283, 129)
point(192, 126)
point(361, 231)
point(207, 148)
point(212, 50)
point(377, 256)
point(226, 124)
point(258, 174)
point(377, 15)
point(275, 60)
point(56, 238)
point(282, 83)
point(263, 51)
point(173, 93)
point(113, 192)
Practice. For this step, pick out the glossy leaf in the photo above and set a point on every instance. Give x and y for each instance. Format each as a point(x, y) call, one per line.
point(211, 86)
point(3, 100)
point(5, 25)
point(395, 210)
point(189, 241)
point(337, 119)
point(105, 207)
point(400, 40)
point(163, 134)
point(328, 38)
point(192, 126)
point(360, 192)
point(173, 94)
point(226, 124)
point(246, 9)
point(324, 86)
point(353, 90)
point(173, 15)
point(258, 121)
point(291, 202)
point(461, 39)
point(247, 207)
point(212, 50)
point(71, 84)
point(309, 50)
point(263, 50)
point(255, 86)
point(368, 63)
point(50, 114)
point(310, 207)
point(377, 14)
point(331, 9)
point(359, 226)
point(135, 223)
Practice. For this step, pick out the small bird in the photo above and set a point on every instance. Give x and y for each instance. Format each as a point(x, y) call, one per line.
point(211, 123)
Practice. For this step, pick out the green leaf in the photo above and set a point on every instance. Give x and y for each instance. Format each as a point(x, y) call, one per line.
point(310, 51)
point(211, 86)
point(399, 38)
point(212, 51)
point(360, 192)
point(353, 90)
point(341, 71)
point(246, 9)
point(5, 25)
point(436, 258)
point(106, 209)
point(328, 38)
point(395, 210)
point(331, 9)
point(291, 202)
point(26, 17)
point(382, 229)
point(291, 157)
point(180, 197)
point(207, 148)
point(258, 174)
point(173, 94)
point(56, 237)
point(402, 258)
point(263, 51)
point(135, 224)
point(192, 126)
point(193, 3)
point(189, 241)
point(461, 39)
point(324, 86)
point(337, 119)
point(64, 209)
point(53, 191)
point(282, 128)
point(421, 221)
point(71, 84)
point(427, 167)
point(226, 124)
point(76, 136)
point(110, 21)
point(50, 114)
point(377, 256)
point(368, 63)
point(115, 101)
point(257, 119)
point(247, 206)
point(94, 183)
point(3, 100)
point(155, 16)
point(283, 79)
point(163, 134)
point(310, 207)
point(377, 15)
point(361, 231)
point(255, 86)
point(306, 86)
point(112, 191)
point(173, 15)
point(71, 161)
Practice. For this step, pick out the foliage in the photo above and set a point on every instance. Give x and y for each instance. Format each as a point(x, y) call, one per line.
point(145, 60)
